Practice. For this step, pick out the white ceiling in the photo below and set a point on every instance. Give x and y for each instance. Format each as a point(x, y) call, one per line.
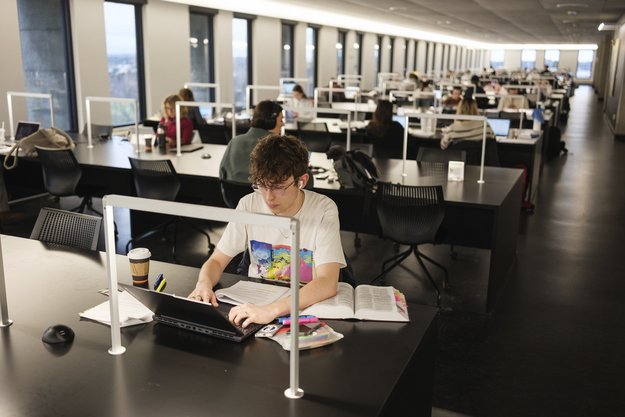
point(488, 21)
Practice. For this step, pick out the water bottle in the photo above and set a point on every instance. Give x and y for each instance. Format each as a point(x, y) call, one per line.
point(162, 141)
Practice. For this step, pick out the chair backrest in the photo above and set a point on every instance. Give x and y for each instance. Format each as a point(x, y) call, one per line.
point(427, 154)
point(155, 179)
point(232, 191)
point(67, 228)
point(315, 136)
point(101, 131)
point(473, 149)
point(61, 171)
point(409, 215)
point(212, 133)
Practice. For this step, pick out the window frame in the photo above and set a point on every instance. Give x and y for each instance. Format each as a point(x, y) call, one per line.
point(291, 54)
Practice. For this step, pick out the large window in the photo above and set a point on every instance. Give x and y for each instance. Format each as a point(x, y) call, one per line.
point(497, 58)
point(528, 59)
point(340, 53)
point(47, 59)
point(552, 59)
point(124, 50)
point(202, 57)
point(358, 50)
point(584, 64)
point(391, 53)
point(286, 67)
point(241, 59)
point(312, 34)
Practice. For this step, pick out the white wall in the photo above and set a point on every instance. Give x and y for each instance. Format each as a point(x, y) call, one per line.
point(512, 59)
point(398, 55)
point(167, 52)
point(299, 55)
point(328, 37)
point(421, 56)
point(368, 62)
point(266, 56)
point(222, 25)
point(12, 78)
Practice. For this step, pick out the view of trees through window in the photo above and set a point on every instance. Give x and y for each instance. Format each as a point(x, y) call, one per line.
point(121, 51)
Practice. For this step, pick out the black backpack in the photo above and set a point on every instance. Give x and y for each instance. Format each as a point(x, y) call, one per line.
point(354, 168)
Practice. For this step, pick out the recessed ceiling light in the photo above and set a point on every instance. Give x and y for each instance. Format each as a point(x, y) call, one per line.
point(396, 8)
point(571, 13)
point(607, 26)
point(570, 5)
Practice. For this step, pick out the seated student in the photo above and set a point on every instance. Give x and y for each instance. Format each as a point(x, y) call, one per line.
point(385, 134)
point(513, 100)
point(301, 101)
point(235, 163)
point(452, 100)
point(193, 113)
point(466, 129)
point(168, 120)
point(495, 88)
point(278, 172)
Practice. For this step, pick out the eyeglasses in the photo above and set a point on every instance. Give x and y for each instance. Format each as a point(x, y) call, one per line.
point(278, 191)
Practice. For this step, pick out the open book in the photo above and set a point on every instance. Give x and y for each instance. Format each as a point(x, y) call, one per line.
point(365, 302)
point(249, 292)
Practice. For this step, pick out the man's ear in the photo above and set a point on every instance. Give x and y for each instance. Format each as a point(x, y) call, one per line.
point(303, 180)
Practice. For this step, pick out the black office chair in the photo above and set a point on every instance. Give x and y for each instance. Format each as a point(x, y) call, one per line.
point(212, 133)
point(473, 150)
point(315, 136)
point(232, 191)
point(61, 177)
point(157, 179)
point(66, 228)
point(410, 215)
point(437, 155)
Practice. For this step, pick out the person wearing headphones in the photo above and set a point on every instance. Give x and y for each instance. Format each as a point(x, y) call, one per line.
point(235, 163)
point(278, 172)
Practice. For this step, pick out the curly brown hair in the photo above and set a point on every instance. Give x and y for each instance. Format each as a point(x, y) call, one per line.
point(276, 158)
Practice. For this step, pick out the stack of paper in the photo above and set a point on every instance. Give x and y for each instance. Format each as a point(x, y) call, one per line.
point(131, 312)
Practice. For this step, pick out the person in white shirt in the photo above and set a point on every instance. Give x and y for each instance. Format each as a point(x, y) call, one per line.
point(278, 172)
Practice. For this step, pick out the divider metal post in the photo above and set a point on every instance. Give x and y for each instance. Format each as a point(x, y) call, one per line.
point(110, 202)
point(4, 309)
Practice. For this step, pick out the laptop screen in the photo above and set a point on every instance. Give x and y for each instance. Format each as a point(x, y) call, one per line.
point(400, 119)
point(500, 127)
point(287, 87)
point(25, 128)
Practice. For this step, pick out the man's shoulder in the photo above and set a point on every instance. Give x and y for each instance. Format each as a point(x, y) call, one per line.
point(319, 201)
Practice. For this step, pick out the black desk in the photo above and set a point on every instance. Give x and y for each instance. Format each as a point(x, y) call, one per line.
point(377, 369)
point(485, 217)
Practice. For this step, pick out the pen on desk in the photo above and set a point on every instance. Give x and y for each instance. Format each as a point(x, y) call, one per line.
point(160, 283)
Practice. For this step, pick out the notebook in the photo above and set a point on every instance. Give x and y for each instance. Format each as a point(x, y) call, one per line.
point(187, 148)
point(191, 315)
point(25, 128)
point(501, 127)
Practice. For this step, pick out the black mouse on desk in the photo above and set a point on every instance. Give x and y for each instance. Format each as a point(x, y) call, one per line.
point(206, 156)
point(59, 333)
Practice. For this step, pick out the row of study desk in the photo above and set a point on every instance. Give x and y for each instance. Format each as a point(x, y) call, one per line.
point(484, 218)
point(376, 369)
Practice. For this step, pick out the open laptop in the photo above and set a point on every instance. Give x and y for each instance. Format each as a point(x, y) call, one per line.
point(25, 129)
point(501, 127)
point(192, 315)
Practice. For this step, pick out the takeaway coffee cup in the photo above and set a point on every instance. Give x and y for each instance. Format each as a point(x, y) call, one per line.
point(139, 259)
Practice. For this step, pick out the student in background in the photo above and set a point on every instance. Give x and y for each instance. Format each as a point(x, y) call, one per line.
point(168, 120)
point(193, 113)
point(466, 129)
point(300, 100)
point(452, 100)
point(513, 100)
point(235, 163)
point(386, 135)
point(278, 166)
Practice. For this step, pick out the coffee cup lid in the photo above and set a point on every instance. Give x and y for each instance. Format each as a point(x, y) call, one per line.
point(139, 253)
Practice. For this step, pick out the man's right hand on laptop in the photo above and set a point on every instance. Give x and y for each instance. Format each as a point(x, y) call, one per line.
point(204, 292)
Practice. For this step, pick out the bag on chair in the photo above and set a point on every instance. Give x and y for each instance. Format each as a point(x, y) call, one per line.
point(355, 168)
point(52, 138)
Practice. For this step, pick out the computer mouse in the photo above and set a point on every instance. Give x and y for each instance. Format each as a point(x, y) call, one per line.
point(59, 333)
point(206, 156)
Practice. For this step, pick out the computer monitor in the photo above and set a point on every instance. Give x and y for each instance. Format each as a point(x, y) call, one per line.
point(501, 127)
point(400, 119)
point(287, 87)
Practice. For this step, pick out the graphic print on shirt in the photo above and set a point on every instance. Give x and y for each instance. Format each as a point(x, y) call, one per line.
point(274, 262)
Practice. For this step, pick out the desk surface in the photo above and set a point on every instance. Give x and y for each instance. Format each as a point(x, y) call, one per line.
point(166, 371)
